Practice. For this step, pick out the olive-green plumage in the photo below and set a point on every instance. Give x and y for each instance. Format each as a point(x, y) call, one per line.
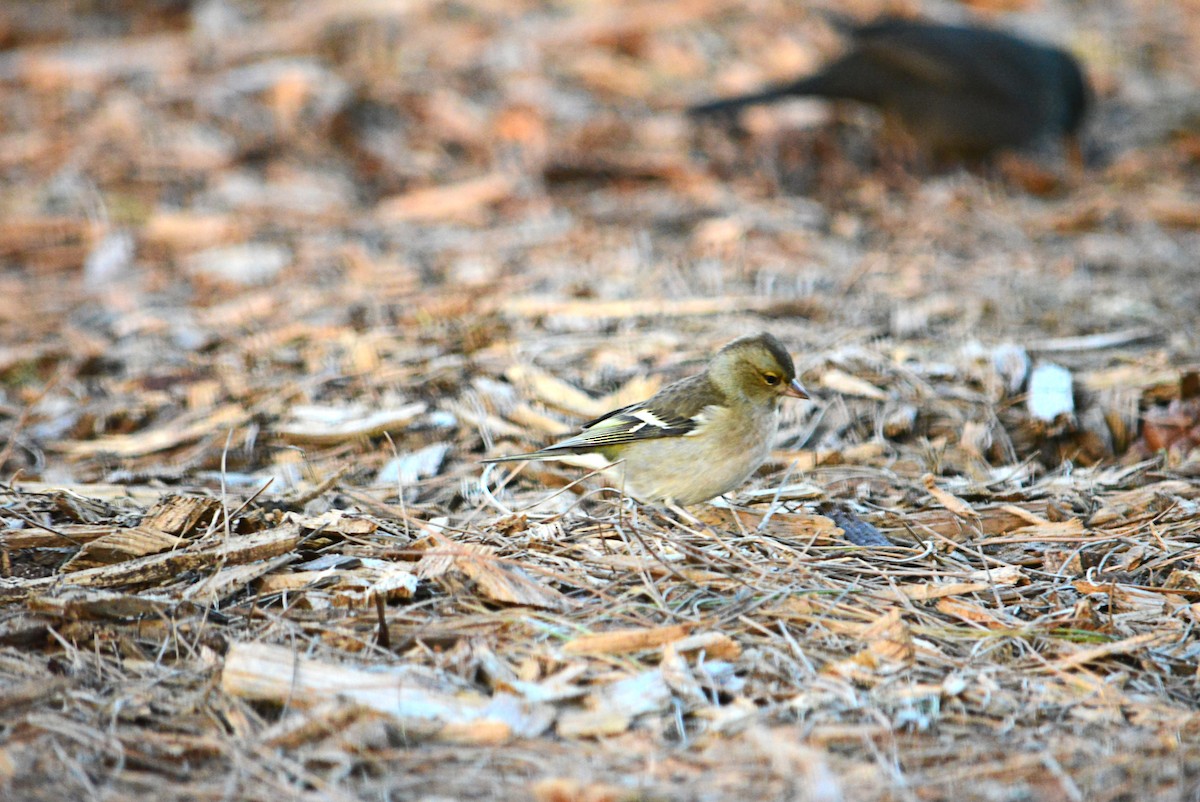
point(698, 437)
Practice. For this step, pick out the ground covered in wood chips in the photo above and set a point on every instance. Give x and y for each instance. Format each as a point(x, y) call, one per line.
point(275, 276)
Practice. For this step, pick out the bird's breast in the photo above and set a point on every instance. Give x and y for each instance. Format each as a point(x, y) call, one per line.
point(688, 470)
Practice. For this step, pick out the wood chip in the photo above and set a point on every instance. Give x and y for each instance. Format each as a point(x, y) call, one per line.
point(844, 383)
point(120, 545)
point(452, 201)
point(161, 439)
point(316, 425)
point(495, 578)
point(157, 567)
point(1136, 643)
point(625, 641)
point(181, 515)
point(948, 500)
point(275, 674)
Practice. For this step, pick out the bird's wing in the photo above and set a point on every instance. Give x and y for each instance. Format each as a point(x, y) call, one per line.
point(674, 411)
point(677, 410)
point(924, 65)
point(635, 422)
point(948, 58)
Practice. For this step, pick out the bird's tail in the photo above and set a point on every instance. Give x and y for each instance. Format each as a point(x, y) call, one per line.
point(841, 22)
point(511, 458)
point(534, 456)
point(805, 86)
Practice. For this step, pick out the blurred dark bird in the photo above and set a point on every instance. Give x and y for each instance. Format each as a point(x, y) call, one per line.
point(962, 92)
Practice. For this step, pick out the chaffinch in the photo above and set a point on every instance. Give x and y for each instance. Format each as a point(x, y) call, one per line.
point(698, 437)
point(961, 90)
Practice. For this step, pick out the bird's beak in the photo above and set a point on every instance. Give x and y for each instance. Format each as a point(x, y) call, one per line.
point(795, 389)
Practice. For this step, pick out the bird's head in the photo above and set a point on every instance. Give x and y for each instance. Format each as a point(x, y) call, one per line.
point(1074, 91)
point(757, 369)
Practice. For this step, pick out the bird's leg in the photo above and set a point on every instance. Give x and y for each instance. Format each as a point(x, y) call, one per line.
point(832, 151)
point(683, 514)
point(900, 154)
point(832, 167)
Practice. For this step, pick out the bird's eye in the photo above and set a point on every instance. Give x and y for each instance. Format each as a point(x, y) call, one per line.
point(771, 379)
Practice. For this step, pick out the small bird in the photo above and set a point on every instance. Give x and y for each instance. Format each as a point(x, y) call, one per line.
point(962, 91)
point(698, 437)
